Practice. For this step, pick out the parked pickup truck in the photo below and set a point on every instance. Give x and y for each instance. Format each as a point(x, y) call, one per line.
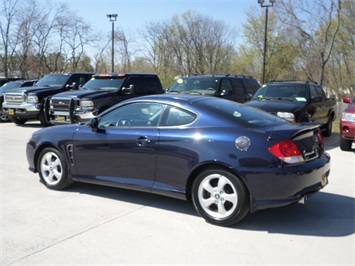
point(297, 102)
point(99, 94)
point(28, 103)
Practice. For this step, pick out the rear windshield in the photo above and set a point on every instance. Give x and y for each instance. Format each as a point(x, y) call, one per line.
point(199, 86)
point(107, 84)
point(242, 114)
point(291, 92)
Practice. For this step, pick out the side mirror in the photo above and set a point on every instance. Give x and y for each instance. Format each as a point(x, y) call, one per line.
point(317, 99)
point(346, 99)
point(94, 124)
point(130, 90)
point(226, 93)
point(72, 86)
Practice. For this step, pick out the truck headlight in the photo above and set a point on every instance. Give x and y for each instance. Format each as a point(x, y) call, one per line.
point(348, 117)
point(288, 116)
point(32, 99)
point(87, 105)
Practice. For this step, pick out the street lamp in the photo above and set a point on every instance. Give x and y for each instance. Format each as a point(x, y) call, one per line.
point(270, 4)
point(113, 18)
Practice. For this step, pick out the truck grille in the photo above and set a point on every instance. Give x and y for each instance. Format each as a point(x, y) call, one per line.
point(15, 98)
point(60, 104)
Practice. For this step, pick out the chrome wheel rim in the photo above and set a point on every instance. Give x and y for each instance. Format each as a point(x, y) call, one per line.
point(51, 168)
point(217, 196)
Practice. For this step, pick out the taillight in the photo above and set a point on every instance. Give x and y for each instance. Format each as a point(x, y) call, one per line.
point(321, 140)
point(287, 151)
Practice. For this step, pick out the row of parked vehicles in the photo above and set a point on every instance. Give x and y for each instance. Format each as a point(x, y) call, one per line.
point(63, 98)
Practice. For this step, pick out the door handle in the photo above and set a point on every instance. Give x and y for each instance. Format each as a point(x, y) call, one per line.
point(143, 140)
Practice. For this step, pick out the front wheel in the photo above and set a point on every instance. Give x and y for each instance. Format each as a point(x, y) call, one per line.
point(220, 197)
point(18, 121)
point(53, 170)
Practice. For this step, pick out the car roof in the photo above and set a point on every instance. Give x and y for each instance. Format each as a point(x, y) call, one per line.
point(215, 76)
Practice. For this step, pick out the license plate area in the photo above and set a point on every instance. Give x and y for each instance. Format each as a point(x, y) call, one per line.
point(11, 111)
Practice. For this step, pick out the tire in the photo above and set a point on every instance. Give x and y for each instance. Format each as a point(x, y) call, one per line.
point(4, 117)
point(328, 128)
point(220, 197)
point(18, 121)
point(53, 170)
point(345, 144)
point(42, 119)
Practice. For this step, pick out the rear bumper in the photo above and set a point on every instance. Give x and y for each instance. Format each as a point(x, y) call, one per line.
point(277, 187)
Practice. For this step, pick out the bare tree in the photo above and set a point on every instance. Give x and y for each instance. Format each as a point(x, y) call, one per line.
point(8, 12)
point(317, 23)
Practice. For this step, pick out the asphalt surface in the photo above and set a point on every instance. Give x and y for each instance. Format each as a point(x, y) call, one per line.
point(95, 225)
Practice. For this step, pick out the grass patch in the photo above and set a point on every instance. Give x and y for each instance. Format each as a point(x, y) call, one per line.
point(335, 128)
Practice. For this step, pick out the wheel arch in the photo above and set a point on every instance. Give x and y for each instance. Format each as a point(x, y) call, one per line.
point(210, 165)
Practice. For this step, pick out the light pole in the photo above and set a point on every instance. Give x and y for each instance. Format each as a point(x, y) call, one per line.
point(270, 4)
point(113, 18)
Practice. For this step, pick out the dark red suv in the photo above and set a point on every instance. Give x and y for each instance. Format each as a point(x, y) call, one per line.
point(347, 125)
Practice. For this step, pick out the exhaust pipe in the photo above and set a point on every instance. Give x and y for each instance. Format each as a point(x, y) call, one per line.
point(303, 200)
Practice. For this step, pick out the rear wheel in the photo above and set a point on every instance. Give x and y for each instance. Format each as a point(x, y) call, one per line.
point(53, 170)
point(18, 121)
point(220, 197)
point(345, 144)
point(328, 128)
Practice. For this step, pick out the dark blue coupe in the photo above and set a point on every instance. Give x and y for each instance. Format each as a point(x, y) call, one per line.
point(227, 158)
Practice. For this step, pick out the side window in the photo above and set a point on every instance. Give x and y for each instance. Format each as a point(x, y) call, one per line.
point(313, 91)
point(133, 115)
point(251, 85)
point(178, 117)
point(320, 92)
point(136, 85)
point(151, 85)
point(238, 87)
point(226, 86)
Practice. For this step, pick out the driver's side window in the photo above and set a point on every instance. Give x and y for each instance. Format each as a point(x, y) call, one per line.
point(133, 115)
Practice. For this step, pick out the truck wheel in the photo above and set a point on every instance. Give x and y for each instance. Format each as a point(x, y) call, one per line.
point(18, 121)
point(53, 170)
point(345, 144)
point(4, 117)
point(42, 118)
point(328, 128)
point(220, 197)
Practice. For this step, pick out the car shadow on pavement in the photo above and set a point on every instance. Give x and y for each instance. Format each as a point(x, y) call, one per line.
point(324, 215)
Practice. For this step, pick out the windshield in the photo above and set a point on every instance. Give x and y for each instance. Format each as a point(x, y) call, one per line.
point(53, 80)
point(289, 92)
point(242, 114)
point(9, 86)
point(199, 86)
point(104, 84)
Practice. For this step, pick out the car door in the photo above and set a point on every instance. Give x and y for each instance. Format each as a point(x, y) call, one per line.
point(123, 150)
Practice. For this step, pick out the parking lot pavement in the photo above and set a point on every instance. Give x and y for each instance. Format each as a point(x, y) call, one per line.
point(93, 225)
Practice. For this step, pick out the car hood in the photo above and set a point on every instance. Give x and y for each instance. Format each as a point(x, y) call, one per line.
point(80, 94)
point(276, 106)
point(34, 89)
point(350, 109)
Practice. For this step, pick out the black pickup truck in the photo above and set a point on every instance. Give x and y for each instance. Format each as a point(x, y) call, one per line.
point(296, 101)
point(100, 93)
point(29, 103)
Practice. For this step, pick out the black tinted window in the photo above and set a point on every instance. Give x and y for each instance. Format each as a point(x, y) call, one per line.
point(152, 85)
point(251, 85)
point(108, 84)
point(238, 87)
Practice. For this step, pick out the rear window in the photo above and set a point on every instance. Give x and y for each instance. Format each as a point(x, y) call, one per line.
point(107, 84)
point(291, 92)
point(242, 114)
point(198, 86)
